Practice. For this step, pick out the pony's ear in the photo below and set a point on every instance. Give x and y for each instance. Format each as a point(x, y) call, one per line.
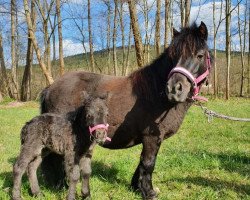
point(84, 95)
point(175, 32)
point(203, 30)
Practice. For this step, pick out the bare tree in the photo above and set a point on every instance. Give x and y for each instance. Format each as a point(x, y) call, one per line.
point(157, 27)
point(123, 36)
point(241, 52)
point(45, 10)
point(216, 29)
point(228, 48)
point(58, 13)
point(26, 81)
point(4, 78)
point(13, 50)
point(45, 71)
point(167, 6)
point(92, 60)
point(128, 50)
point(114, 39)
point(145, 10)
point(182, 11)
point(187, 12)
point(136, 32)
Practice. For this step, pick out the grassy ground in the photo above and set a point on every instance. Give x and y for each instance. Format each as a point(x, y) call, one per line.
point(202, 161)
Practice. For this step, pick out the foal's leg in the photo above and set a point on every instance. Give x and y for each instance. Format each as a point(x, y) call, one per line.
point(32, 170)
point(142, 179)
point(85, 167)
point(73, 173)
point(26, 156)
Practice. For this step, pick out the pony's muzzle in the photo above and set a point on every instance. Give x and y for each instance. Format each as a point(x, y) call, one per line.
point(178, 88)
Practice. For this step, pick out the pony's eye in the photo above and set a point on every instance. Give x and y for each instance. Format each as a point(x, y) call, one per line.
point(200, 56)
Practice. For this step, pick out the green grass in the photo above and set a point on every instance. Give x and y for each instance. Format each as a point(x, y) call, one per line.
point(202, 161)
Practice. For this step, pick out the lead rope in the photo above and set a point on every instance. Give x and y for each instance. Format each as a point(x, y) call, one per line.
point(211, 114)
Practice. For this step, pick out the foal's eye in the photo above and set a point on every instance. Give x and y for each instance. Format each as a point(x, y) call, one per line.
point(200, 56)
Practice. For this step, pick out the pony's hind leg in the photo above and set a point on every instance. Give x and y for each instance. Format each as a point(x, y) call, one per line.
point(142, 179)
point(26, 156)
point(85, 168)
point(32, 175)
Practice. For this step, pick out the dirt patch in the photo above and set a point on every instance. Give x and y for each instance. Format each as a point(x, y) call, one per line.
point(13, 104)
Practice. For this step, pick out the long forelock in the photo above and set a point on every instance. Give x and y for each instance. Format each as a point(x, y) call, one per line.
point(188, 42)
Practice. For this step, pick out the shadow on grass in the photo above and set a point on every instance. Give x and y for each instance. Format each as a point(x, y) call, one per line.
point(106, 173)
point(216, 184)
point(231, 162)
point(7, 178)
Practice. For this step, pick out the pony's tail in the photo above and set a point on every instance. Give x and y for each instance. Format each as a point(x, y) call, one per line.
point(43, 107)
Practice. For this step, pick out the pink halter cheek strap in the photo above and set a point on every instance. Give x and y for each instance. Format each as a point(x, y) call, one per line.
point(100, 126)
point(194, 81)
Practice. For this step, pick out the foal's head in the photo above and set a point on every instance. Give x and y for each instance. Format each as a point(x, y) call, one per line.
point(191, 59)
point(96, 114)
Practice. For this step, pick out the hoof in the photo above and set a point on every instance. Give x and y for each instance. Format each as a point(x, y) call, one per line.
point(152, 195)
point(86, 197)
point(38, 194)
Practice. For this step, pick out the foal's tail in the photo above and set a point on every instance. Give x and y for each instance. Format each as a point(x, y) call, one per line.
point(43, 107)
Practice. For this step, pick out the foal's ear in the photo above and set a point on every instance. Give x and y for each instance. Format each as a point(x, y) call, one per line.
point(175, 32)
point(84, 95)
point(203, 30)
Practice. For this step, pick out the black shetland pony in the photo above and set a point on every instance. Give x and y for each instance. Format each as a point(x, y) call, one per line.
point(145, 107)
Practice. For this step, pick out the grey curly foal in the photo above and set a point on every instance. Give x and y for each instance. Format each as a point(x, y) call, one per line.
point(60, 134)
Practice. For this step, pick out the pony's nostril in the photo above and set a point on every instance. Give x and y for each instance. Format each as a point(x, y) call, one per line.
point(178, 87)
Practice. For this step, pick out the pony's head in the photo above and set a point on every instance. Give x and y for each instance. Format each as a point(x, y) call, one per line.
point(190, 55)
point(96, 114)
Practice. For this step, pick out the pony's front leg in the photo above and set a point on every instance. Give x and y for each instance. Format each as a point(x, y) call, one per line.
point(142, 178)
point(73, 173)
point(85, 168)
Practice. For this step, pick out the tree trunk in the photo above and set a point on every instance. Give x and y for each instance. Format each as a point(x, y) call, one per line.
point(92, 60)
point(157, 27)
point(182, 11)
point(26, 82)
point(241, 54)
point(108, 34)
point(1, 97)
point(114, 40)
point(13, 50)
point(215, 66)
point(128, 50)
point(4, 78)
point(228, 56)
point(167, 4)
point(146, 42)
point(187, 12)
point(248, 80)
point(123, 37)
point(46, 73)
point(60, 38)
point(136, 32)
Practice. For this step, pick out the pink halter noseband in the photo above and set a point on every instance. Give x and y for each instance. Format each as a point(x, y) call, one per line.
point(100, 126)
point(194, 81)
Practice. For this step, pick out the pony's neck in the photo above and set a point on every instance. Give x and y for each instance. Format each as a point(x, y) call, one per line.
point(149, 82)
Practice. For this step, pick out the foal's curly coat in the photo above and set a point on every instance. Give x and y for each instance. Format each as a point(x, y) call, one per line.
point(62, 135)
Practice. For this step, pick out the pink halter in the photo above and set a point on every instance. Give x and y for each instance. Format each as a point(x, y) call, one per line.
point(100, 126)
point(195, 81)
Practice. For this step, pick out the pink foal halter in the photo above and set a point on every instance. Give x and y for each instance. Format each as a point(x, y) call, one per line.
point(100, 126)
point(194, 81)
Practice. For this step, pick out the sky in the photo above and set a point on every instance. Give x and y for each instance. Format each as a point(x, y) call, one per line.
point(75, 11)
